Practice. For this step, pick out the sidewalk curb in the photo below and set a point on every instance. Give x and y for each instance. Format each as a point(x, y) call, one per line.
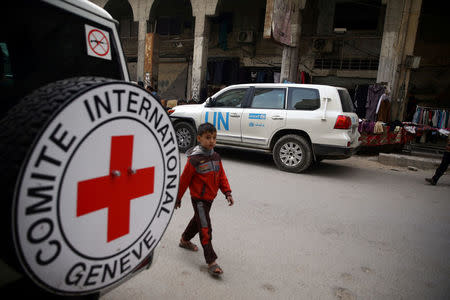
point(423, 163)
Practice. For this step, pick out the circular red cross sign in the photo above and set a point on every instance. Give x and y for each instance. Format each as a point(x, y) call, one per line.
point(98, 189)
point(98, 42)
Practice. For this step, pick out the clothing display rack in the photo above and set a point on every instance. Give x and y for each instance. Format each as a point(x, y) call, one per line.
point(432, 116)
point(372, 102)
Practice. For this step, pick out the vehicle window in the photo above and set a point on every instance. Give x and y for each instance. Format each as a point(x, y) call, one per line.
point(6, 82)
point(46, 45)
point(268, 98)
point(232, 98)
point(346, 101)
point(303, 99)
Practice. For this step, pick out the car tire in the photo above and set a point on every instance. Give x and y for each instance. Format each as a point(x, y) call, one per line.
point(185, 136)
point(292, 153)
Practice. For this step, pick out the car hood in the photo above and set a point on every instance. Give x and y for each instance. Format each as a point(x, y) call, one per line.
point(188, 107)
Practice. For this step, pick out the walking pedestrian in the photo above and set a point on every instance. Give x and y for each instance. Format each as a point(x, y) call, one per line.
point(443, 166)
point(204, 175)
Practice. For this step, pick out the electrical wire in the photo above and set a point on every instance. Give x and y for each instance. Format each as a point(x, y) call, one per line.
point(359, 49)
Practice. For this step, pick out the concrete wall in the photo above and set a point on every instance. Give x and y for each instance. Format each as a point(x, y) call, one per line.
point(132, 69)
point(428, 82)
point(318, 23)
point(433, 75)
point(172, 80)
point(260, 52)
point(246, 16)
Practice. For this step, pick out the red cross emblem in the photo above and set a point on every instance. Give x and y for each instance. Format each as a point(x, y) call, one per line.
point(116, 190)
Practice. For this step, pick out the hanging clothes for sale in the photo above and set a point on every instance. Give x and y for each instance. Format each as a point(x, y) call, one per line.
point(435, 117)
point(276, 77)
point(378, 128)
point(384, 108)
point(416, 115)
point(373, 96)
point(360, 100)
point(302, 77)
point(261, 76)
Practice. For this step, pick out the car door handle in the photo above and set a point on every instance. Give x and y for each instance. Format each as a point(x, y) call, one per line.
point(233, 115)
point(277, 118)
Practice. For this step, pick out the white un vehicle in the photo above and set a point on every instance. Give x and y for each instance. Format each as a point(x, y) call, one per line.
point(89, 160)
point(298, 123)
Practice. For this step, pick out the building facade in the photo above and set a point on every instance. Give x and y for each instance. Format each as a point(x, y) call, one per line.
point(200, 46)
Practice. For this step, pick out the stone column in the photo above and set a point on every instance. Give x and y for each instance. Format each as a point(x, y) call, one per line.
point(141, 12)
point(390, 45)
point(326, 17)
point(141, 49)
point(200, 57)
point(289, 61)
point(289, 64)
point(189, 81)
point(399, 35)
point(410, 41)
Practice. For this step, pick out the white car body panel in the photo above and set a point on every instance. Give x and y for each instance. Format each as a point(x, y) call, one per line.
point(241, 130)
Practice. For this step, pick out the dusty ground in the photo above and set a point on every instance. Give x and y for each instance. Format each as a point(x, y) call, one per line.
point(350, 229)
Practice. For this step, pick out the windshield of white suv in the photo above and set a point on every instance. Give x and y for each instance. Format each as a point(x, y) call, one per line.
point(41, 44)
point(346, 101)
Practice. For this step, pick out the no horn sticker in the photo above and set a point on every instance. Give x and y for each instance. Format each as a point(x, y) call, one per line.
point(98, 44)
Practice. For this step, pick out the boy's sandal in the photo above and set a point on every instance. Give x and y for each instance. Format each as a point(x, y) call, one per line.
point(215, 270)
point(188, 245)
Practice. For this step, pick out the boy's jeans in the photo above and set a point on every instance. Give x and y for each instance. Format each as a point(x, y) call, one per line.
point(201, 223)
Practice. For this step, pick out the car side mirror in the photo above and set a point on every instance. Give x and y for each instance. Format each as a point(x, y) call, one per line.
point(210, 102)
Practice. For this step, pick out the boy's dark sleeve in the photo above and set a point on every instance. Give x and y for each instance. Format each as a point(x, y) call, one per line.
point(223, 182)
point(185, 179)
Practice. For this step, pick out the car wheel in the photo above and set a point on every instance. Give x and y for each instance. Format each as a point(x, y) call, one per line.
point(292, 153)
point(185, 135)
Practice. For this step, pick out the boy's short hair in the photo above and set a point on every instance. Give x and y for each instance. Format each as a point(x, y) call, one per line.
point(206, 127)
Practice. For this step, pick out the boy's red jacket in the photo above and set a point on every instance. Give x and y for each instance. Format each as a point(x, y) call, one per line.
point(204, 175)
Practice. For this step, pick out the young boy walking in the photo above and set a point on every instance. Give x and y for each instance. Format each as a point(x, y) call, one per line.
point(204, 175)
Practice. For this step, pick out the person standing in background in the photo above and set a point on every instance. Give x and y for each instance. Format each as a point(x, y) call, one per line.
point(443, 166)
point(154, 93)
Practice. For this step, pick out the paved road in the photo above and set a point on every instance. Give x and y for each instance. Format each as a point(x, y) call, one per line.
point(351, 229)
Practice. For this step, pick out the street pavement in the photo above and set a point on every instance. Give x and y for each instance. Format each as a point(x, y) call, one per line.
point(349, 229)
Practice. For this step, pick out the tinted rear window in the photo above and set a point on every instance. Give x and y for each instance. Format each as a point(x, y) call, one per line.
point(303, 99)
point(346, 101)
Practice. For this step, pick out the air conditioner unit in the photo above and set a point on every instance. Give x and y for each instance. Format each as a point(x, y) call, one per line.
point(323, 45)
point(245, 36)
